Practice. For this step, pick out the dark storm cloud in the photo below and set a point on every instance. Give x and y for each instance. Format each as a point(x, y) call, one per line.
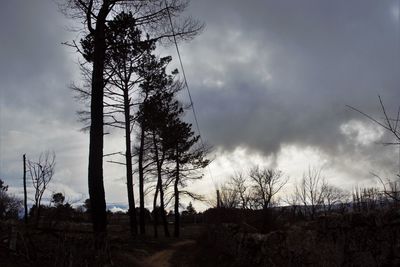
point(267, 73)
point(37, 110)
point(34, 63)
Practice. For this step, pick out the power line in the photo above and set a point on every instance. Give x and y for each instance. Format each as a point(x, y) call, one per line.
point(183, 71)
point(187, 85)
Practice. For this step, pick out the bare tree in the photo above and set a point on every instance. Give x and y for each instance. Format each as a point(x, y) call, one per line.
point(366, 199)
point(225, 197)
point(311, 191)
point(234, 193)
point(391, 188)
point(266, 184)
point(390, 123)
point(334, 198)
point(293, 200)
point(229, 197)
point(240, 184)
point(41, 173)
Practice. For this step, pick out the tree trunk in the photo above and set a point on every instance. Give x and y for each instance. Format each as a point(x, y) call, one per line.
point(160, 188)
point(163, 212)
point(37, 213)
point(155, 212)
point(141, 182)
point(176, 194)
point(95, 172)
point(128, 159)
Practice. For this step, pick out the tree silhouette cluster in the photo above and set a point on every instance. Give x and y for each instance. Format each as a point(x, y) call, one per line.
point(127, 86)
point(256, 190)
point(9, 204)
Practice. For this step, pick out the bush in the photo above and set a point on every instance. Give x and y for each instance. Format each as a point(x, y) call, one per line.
point(9, 205)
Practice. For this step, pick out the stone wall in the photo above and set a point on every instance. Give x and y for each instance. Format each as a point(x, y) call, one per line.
point(348, 240)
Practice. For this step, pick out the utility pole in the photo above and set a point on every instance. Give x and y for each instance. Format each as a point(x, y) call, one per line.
point(25, 195)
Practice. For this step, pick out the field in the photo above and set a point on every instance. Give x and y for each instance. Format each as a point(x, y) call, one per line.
point(71, 244)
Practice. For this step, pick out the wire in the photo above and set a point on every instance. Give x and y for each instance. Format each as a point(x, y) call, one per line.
point(187, 86)
point(183, 71)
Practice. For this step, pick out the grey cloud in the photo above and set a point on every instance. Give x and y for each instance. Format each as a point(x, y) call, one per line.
point(320, 56)
point(37, 112)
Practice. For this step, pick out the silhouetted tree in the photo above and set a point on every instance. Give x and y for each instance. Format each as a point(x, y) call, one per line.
point(41, 173)
point(95, 13)
point(391, 123)
point(391, 187)
point(122, 57)
point(58, 199)
point(9, 205)
point(334, 198)
point(160, 109)
point(366, 199)
point(311, 191)
point(190, 209)
point(229, 197)
point(157, 92)
point(188, 160)
point(3, 187)
point(240, 184)
point(160, 121)
point(266, 184)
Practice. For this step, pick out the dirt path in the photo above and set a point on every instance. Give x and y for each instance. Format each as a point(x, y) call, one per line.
point(162, 258)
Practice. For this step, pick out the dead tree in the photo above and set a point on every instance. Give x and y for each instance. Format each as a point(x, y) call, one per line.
point(228, 197)
point(389, 123)
point(41, 173)
point(310, 192)
point(392, 125)
point(334, 198)
point(235, 193)
point(266, 184)
point(240, 184)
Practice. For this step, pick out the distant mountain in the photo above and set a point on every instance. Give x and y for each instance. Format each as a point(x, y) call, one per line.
point(117, 207)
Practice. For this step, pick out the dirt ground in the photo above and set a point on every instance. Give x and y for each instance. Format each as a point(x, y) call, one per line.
point(140, 251)
point(184, 253)
point(159, 252)
point(163, 258)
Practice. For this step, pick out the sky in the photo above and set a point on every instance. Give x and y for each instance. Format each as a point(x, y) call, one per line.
point(270, 81)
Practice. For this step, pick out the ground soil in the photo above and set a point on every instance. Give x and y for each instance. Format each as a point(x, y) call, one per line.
point(140, 251)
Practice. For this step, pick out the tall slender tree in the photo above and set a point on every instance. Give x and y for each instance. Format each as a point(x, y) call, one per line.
point(157, 111)
point(121, 69)
point(152, 16)
point(188, 156)
point(155, 80)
